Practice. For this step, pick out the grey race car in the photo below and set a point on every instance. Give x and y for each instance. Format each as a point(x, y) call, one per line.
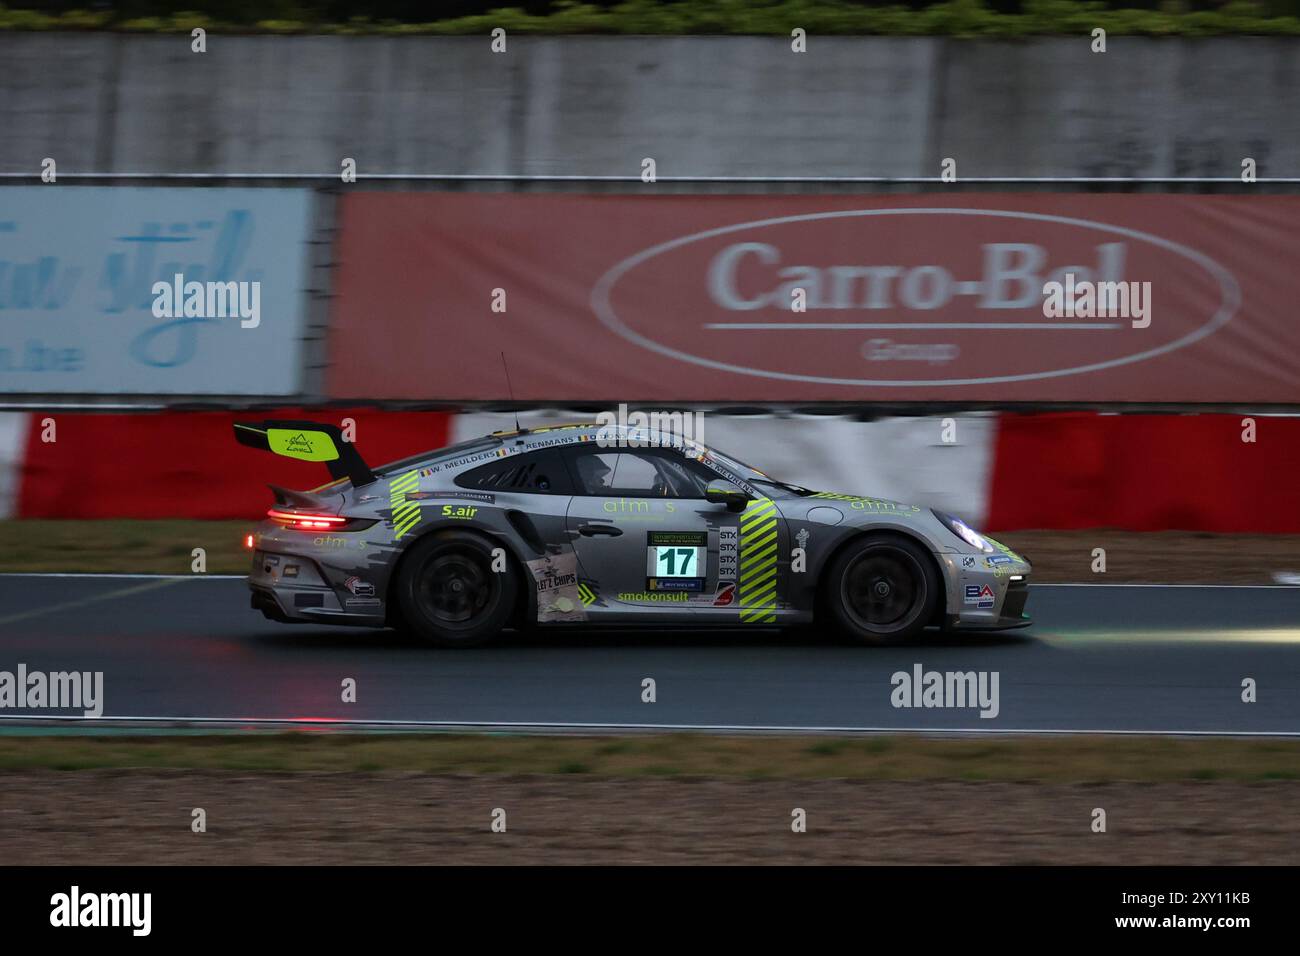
point(577, 524)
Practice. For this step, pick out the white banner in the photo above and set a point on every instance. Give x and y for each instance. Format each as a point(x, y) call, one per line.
point(944, 462)
point(89, 280)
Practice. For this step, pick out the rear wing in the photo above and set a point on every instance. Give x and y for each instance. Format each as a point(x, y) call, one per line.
point(308, 441)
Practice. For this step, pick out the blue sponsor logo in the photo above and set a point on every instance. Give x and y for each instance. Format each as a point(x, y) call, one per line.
point(981, 595)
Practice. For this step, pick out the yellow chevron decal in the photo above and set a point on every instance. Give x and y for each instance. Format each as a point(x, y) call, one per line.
point(406, 514)
point(758, 541)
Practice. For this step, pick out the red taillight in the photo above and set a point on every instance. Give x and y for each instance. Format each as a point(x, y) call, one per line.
point(301, 521)
point(248, 542)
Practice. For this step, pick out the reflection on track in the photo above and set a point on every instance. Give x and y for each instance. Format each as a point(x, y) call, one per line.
point(1099, 658)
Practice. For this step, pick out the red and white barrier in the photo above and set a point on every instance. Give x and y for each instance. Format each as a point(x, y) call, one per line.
point(999, 471)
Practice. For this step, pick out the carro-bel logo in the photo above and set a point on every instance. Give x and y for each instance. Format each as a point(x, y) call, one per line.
point(907, 297)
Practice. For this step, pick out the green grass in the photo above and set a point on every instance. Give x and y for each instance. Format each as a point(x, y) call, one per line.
point(959, 18)
point(1092, 760)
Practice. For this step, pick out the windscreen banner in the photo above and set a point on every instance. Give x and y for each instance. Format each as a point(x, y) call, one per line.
point(152, 291)
point(922, 298)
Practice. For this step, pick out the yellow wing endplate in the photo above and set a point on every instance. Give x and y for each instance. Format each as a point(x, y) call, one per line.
point(302, 443)
point(308, 441)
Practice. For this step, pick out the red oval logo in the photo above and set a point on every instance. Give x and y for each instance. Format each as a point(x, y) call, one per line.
point(862, 298)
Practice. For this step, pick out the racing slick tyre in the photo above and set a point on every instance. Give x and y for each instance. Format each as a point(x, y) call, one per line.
point(882, 590)
point(448, 593)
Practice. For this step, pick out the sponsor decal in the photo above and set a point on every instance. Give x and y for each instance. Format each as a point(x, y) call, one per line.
point(728, 552)
point(757, 581)
point(559, 440)
point(634, 505)
point(725, 594)
point(712, 463)
point(482, 496)
point(876, 505)
point(1004, 549)
point(555, 577)
point(674, 584)
point(459, 512)
point(968, 562)
point(406, 514)
point(676, 560)
point(994, 560)
point(290, 571)
point(654, 597)
point(359, 587)
point(303, 445)
point(981, 595)
point(329, 541)
point(455, 463)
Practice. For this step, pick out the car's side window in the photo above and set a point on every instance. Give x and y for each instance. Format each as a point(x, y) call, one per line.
point(538, 472)
point(641, 473)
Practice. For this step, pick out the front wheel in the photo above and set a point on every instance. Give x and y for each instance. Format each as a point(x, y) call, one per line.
point(449, 594)
point(883, 590)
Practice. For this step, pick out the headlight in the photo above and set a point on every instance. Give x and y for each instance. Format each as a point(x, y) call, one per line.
point(964, 531)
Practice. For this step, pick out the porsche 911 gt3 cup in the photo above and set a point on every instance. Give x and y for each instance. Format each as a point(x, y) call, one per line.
point(564, 526)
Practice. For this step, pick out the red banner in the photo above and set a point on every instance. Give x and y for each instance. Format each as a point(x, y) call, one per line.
point(1071, 298)
point(187, 464)
point(1146, 473)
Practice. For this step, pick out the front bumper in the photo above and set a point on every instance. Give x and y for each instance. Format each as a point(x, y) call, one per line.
point(987, 592)
point(1011, 613)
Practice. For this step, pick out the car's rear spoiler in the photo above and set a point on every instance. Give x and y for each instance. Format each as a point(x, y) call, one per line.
point(308, 441)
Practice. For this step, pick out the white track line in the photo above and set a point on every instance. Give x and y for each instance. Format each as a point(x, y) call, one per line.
point(572, 727)
point(61, 606)
point(242, 577)
point(108, 576)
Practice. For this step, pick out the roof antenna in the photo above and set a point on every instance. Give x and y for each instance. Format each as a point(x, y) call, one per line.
point(511, 392)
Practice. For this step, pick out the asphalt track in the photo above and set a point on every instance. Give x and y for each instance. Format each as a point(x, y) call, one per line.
point(1099, 658)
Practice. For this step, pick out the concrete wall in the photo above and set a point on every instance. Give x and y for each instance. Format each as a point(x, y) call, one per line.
point(699, 105)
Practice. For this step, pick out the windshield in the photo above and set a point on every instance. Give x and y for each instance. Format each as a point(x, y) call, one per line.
point(783, 489)
point(751, 474)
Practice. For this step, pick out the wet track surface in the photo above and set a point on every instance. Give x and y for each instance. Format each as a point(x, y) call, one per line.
point(1098, 658)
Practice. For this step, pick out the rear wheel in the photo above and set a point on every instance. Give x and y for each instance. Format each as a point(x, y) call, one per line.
point(882, 590)
point(449, 594)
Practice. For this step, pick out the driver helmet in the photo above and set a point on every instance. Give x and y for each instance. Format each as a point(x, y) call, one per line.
point(595, 473)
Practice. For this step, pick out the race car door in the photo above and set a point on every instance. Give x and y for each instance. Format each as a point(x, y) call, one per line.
point(649, 545)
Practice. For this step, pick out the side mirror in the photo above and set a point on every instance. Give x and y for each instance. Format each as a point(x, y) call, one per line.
point(725, 493)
